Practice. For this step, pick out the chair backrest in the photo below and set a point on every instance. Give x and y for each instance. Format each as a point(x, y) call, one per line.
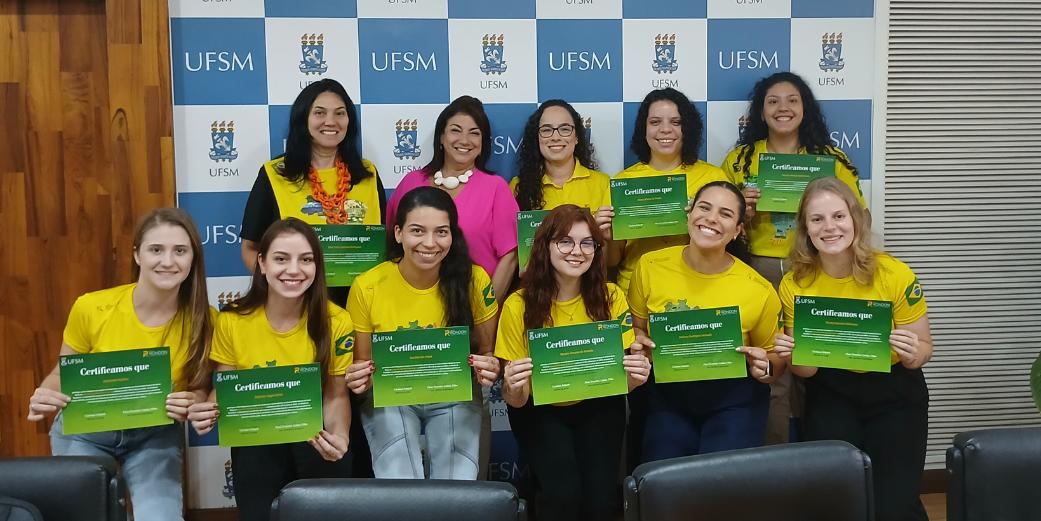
point(398, 500)
point(12, 509)
point(994, 475)
point(69, 488)
point(811, 481)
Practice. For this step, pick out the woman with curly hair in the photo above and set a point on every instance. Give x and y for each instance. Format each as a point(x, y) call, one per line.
point(555, 165)
point(884, 414)
point(666, 140)
point(575, 447)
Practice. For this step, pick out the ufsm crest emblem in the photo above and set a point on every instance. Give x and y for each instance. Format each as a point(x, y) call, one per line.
point(831, 52)
point(492, 51)
point(222, 141)
point(405, 133)
point(664, 54)
point(312, 54)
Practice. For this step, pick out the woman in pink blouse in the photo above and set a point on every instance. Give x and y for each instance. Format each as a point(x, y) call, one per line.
point(487, 209)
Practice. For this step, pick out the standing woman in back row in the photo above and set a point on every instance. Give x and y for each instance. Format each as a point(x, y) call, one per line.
point(555, 165)
point(321, 178)
point(487, 210)
point(165, 306)
point(783, 118)
point(884, 414)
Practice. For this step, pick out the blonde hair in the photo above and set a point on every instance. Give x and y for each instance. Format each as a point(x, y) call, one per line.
point(804, 258)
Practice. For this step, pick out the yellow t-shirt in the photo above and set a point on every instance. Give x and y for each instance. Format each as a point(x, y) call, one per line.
point(587, 188)
point(382, 300)
point(699, 174)
point(677, 287)
point(511, 342)
point(105, 321)
point(295, 199)
point(894, 282)
point(772, 234)
point(248, 341)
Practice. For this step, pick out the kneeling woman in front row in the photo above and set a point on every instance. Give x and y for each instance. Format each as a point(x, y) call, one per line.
point(285, 319)
point(429, 282)
point(574, 448)
point(687, 418)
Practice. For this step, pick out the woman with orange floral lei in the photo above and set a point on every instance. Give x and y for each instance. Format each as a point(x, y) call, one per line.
point(321, 178)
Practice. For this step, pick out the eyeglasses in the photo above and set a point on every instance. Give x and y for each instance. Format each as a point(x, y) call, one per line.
point(564, 130)
point(566, 245)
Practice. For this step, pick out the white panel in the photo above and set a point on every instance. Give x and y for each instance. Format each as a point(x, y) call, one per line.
point(962, 200)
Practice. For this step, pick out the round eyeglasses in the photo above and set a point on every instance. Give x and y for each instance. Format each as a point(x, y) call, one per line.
point(566, 245)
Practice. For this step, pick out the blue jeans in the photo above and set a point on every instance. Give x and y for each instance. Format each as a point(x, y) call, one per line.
point(150, 459)
point(452, 432)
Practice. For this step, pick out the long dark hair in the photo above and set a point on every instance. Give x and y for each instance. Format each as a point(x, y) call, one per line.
point(456, 269)
point(297, 159)
point(472, 107)
point(813, 131)
point(316, 298)
point(539, 282)
point(530, 164)
point(739, 246)
point(690, 123)
point(192, 302)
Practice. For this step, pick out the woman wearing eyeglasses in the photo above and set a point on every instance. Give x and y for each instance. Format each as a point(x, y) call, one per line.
point(555, 165)
point(574, 448)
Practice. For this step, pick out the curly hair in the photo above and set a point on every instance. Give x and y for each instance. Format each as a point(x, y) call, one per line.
point(297, 159)
point(530, 163)
point(738, 247)
point(456, 269)
point(469, 106)
point(539, 281)
point(813, 131)
point(691, 125)
point(804, 258)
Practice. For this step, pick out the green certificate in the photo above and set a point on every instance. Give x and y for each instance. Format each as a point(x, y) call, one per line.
point(115, 390)
point(843, 333)
point(418, 366)
point(527, 224)
point(699, 344)
point(269, 405)
point(649, 206)
point(350, 250)
point(577, 362)
point(783, 178)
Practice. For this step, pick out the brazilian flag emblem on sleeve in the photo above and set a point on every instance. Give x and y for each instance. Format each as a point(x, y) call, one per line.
point(344, 344)
point(913, 293)
point(489, 295)
point(626, 319)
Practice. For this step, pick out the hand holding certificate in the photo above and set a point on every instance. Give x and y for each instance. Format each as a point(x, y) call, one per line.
point(649, 206)
point(115, 390)
point(350, 250)
point(699, 344)
point(783, 178)
point(842, 333)
point(420, 366)
point(269, 405)
point(577, 362)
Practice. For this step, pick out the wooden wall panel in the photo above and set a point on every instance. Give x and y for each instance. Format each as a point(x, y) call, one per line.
point(85, 148)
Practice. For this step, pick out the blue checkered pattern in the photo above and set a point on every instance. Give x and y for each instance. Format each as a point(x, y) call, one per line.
point(238, 65)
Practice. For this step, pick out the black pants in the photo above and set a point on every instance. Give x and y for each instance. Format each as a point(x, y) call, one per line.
point(575, 453)
point(261, 472)
point(887, 417)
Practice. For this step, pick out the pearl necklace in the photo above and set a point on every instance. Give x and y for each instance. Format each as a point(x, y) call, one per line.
point(451, 182)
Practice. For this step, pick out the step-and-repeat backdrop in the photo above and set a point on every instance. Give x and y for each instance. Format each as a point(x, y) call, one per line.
point(239, 64)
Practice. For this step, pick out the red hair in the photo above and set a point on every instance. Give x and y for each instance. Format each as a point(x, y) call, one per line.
point(539, 282)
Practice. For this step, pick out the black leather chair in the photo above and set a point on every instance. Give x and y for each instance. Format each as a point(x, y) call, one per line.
point(811, 481)
point(66, 488)
point(398, 500)
point(995, 475)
